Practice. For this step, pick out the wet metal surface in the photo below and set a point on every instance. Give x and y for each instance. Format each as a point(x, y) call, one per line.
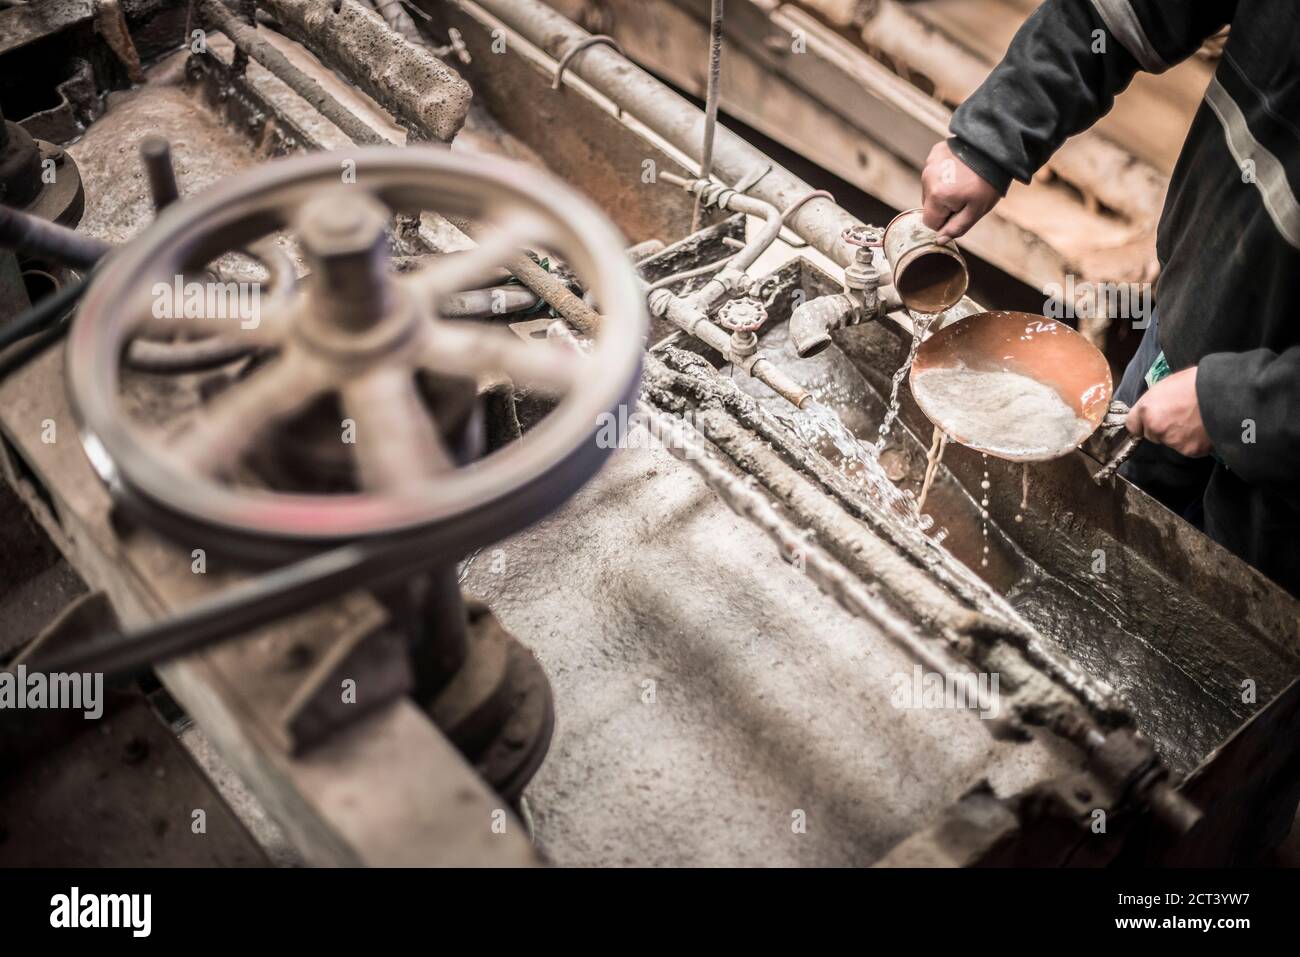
point(1081, 571)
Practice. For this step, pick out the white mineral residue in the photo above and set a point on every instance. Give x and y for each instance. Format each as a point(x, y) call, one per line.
point(1002, 412)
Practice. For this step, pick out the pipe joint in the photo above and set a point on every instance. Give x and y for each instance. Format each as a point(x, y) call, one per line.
point(812, 322)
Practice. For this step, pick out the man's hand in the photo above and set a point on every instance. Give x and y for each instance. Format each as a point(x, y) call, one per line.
point(955, 197)
point(1169, 414)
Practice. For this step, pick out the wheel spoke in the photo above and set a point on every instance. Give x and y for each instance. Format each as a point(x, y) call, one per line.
point(477, 266)
point(199, 306)
point(478, 351)
point(397, 442)
point(226, 428)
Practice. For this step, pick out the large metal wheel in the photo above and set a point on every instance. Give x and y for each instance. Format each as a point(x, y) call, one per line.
point(358, 330)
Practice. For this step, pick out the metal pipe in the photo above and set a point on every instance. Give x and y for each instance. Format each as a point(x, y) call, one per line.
point(486, 303)
point(685, 443)
point(556, 294)
point(811, 323)
point(727, 198)
point(733, 274)
point(38, 237)
point(689, 315)
point(819, 222)
point(772, 223)
point(706, 269)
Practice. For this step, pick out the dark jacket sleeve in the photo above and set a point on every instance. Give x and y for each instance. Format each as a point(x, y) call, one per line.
point(1250, 404)
point(1062, 72)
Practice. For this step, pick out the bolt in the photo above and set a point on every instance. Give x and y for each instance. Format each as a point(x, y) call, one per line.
point(343, 237)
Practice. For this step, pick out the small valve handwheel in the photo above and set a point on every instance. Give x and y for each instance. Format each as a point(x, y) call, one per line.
point(863, 236)
point(357, 333)
point(742, 315)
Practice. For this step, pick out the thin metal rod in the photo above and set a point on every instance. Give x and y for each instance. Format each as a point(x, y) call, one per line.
point(156, 153)
point(556, 294)
point(710, 102)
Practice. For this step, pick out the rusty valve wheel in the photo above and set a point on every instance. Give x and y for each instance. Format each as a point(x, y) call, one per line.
point(862, 236)
point(356, 330)
point(742, 315)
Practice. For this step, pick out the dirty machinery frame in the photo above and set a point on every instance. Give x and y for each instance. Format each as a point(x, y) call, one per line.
point(118, 522)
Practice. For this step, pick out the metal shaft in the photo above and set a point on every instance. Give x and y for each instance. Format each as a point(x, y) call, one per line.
point(156, 153)
point(38, 237)
point(440, 651)
point(710, 102)
point(556, 294)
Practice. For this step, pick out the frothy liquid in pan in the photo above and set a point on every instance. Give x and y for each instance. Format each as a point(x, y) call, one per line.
point(1002, 412)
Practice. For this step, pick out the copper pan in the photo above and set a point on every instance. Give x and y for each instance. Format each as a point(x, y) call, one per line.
point(1030, 345)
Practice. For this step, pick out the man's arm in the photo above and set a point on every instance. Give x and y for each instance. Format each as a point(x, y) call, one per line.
point(1243, 406)
point(1059, 76)
point(1250, 402)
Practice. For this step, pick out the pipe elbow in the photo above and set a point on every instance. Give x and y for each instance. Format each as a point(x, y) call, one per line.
point(811, 323)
